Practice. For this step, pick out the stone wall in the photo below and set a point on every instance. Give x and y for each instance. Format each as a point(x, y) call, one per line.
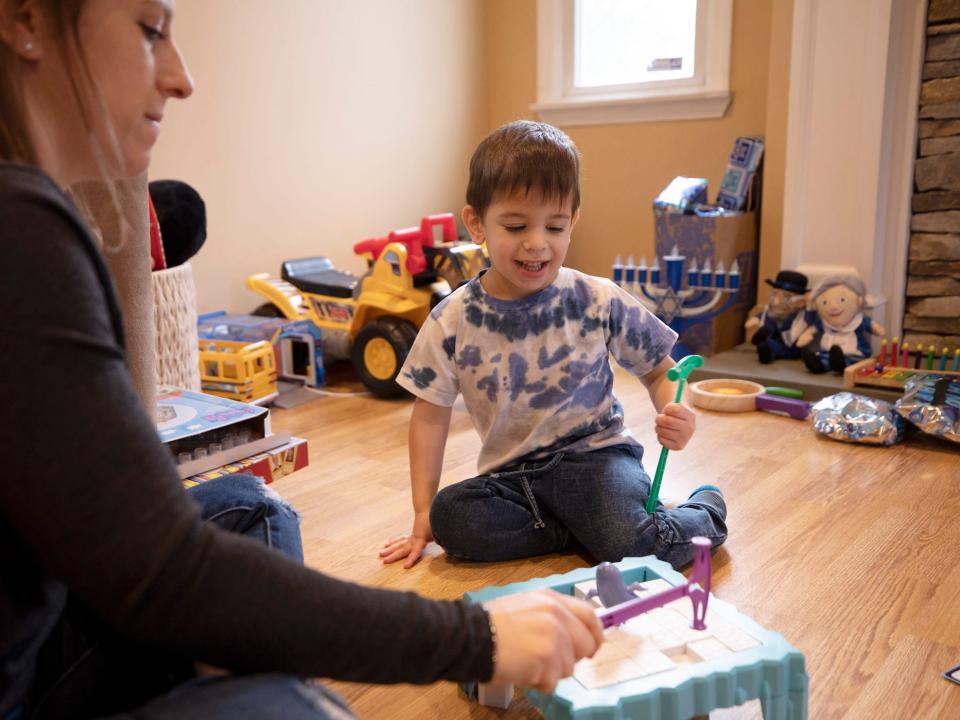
point(932, 315)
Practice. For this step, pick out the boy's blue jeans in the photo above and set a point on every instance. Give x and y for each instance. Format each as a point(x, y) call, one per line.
point(594, 498)
point(100, 671)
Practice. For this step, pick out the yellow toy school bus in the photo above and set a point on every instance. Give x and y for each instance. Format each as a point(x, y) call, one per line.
point(239, 371)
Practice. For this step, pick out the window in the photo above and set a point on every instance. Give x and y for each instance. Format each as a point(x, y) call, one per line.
point(606, 61)
point(623, 43)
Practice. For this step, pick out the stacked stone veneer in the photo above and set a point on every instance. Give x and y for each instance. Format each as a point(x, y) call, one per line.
point(932, 315)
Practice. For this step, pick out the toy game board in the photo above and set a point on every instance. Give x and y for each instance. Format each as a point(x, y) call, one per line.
point(657, 666)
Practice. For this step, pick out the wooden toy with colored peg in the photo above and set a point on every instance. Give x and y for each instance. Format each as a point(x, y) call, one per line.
point(895, 365)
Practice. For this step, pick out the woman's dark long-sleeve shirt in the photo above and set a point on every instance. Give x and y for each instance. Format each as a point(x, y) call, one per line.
point(90, 501)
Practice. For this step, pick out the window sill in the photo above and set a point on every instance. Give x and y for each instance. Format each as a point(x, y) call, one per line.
point(605, 110)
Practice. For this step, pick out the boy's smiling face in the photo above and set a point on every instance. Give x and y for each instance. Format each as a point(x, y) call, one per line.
point(527, 237)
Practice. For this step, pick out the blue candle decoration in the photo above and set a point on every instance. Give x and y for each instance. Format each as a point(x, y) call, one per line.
point(734, 276)
point(655, 272)
point(692, 274)
point(674, 268)
point(719, 275)
point(630, 271)
point(642, 271)
point(617, 271)
point(705, 274)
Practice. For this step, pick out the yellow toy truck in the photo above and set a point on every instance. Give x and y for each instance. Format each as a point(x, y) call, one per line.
point(238, 370)
point(373, 320)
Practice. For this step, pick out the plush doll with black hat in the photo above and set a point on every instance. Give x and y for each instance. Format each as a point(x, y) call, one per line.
point(769, 326)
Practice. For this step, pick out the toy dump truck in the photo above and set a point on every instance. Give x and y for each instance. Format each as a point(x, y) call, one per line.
point(373, 319)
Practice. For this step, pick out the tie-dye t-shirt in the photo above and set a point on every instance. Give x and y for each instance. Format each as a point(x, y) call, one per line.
point(535, 372)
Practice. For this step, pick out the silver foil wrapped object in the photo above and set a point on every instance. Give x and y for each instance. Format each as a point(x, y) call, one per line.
point(932, 403)
point(858, 419)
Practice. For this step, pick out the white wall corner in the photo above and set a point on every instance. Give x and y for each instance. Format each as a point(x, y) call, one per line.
point(851, 139)
point(796, 169)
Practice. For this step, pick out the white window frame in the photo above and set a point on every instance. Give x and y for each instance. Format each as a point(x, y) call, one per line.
point(706, 95)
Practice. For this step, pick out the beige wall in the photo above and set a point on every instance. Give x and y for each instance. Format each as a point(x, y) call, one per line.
point(315, 125)
point(625, 166)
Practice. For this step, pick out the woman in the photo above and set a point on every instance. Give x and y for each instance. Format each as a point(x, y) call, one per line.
point(112, 582)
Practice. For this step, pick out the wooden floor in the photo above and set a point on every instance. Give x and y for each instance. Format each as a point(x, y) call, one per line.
point(848, 551)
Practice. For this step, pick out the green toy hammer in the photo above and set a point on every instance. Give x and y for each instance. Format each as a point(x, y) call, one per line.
point(677, 372)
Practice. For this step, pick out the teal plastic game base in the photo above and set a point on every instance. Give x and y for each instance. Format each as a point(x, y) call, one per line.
point(772, 671)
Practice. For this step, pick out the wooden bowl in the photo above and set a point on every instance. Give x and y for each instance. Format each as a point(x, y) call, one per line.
point(726, 395)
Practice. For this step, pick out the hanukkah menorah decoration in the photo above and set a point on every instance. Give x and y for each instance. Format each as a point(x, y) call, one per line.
point(709, 292)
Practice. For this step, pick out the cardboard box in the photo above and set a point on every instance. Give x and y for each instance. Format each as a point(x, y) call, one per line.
point(223, 430)
point(724, 237)
point(270, 465)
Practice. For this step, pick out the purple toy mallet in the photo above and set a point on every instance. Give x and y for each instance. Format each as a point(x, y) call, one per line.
point(797, 409)
point(697, 588)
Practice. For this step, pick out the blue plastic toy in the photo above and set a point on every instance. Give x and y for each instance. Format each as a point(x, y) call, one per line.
point(771, 670)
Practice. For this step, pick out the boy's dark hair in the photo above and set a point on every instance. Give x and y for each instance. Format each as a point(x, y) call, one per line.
point(524, 155)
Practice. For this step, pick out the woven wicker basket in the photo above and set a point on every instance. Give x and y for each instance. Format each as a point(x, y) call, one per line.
point(175, 301)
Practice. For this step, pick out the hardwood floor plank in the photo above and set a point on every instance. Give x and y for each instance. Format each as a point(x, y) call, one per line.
point(906, 681)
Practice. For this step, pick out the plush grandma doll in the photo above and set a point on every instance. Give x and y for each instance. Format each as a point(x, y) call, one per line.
point(769, 326)
point(837, 333)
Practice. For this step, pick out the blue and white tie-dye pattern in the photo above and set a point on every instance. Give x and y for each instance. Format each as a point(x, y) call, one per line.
point(535, 373)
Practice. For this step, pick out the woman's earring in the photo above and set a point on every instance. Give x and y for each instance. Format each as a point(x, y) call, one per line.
point(28, 47)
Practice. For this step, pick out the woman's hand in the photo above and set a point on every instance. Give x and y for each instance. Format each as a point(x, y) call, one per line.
point(540, 635)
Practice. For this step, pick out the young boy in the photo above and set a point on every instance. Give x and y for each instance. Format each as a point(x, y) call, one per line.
point(527, 344)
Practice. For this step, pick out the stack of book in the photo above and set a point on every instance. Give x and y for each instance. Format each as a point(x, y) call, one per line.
point(211, 436)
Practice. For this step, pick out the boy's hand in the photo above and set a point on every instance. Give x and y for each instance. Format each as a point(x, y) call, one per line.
point(675, 426)
point(540, 635)
point(409, 547)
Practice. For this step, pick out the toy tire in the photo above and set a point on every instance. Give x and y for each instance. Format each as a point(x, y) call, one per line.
point(268, 310)
point(378, 353)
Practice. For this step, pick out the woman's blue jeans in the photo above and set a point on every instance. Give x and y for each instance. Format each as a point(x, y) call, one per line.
point(244, 504)
point(593, 498)
point(92, 675)
point(245, 697)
